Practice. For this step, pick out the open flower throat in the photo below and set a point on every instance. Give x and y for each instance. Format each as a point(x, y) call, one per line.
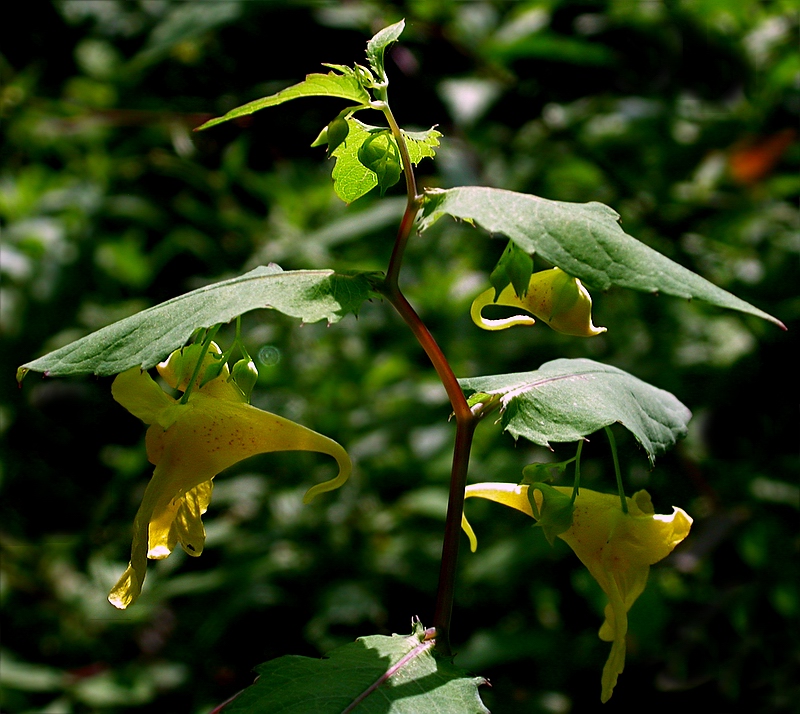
point(618, 549)
point(190, 443)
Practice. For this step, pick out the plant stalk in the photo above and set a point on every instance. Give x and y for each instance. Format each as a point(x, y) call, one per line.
point(466, 421)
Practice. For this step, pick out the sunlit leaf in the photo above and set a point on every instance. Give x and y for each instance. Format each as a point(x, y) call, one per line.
point(342, 86)
point(368, 156)
point(422, 144)
point(351, 179)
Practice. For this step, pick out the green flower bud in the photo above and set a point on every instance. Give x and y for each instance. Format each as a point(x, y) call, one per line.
point(245, 375)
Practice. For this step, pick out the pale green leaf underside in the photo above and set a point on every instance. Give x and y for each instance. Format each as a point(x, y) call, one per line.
point(583, 239)
point(567, 399)
point(146, 338)
point(378, 44)
point(342, 86)
point(361, 673)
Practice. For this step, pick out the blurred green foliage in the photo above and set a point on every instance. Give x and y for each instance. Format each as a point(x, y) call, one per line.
point(681, 115)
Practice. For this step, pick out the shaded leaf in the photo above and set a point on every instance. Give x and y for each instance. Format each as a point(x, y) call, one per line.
point(342, 86)
point(144, 339)
point(373, 675)
point(568, 399)
point(583, 239)
point(182, 22)
point(542, 472)
point(555, 516)
point(553, 48)
point(515, 268)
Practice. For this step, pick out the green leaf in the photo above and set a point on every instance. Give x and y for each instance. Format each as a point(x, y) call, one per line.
point(378, 44)
point(567, 399)
point(146, 338)
point(515, 267)
point(539, 472)
point(373, 675)
point(422, 144)
point(351, 179)
point(555, 516)
point(552, 48)
point(337, 133)
point(182, 22)
point(583, 239)
point(379, 153)
point(357, 172)
point(342, 86)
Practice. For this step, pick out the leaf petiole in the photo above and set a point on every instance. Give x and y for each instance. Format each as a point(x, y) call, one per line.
point(576, 487)
point(623, 501)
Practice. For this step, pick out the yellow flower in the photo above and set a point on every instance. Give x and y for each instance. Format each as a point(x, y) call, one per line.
point(553, 296)
point(191, 443)
point(618, 549)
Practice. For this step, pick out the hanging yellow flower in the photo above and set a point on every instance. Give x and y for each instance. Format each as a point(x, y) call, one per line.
point(191, 443)
point(618, 549)
point(553, 296)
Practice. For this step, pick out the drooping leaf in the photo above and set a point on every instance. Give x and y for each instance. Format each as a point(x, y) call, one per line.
point(515, 268)
point(144, 339)
point(555, 515)
point(373, 675)
point(568, 399)
point(378, 44)
point(333, 134)
point(357, 172)
point(379, 153)
point(342, 86)
point(351, 179)
point(583, 239)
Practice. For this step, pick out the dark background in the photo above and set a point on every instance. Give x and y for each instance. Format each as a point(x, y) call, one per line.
point(680, 115)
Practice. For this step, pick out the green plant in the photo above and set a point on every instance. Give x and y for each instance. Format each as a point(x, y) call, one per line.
point(562, 401)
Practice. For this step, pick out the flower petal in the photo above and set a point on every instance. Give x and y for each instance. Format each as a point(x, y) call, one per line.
point(509, 494)
point(138, 392)
point(188, 522)
point(553, 296)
